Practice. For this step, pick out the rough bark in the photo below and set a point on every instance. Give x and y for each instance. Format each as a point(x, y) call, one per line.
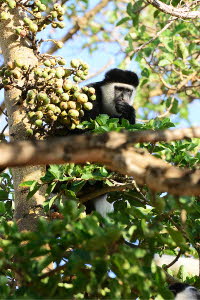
point(180, 12)
point(26, 211)
point(115, 151)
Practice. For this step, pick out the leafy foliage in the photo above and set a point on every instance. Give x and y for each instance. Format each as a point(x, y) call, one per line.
point(88, 252)
point(89, 257)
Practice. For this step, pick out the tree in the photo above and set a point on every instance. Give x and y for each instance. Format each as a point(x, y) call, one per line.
point(50, 248)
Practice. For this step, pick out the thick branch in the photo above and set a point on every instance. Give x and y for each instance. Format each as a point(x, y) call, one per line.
point(183, 13)
point(105, 190)
point(81, 22)
point(112, 150)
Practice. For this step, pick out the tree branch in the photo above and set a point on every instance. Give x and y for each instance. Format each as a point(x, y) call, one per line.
point(105, 190)
point(173, 261)
point(2, 107)
point(81, 22)
point(183, 13)
point(155, 37)
point(112, 150)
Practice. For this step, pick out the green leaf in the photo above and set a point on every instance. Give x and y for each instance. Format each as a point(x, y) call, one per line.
point(109, 183)
point(129, 9)
point(4, 195)
point(52, 200)
point(145, 72)
point(164, 62)
point(56, 171)
point(103, 171)
point(77, 186)
point(143, 82)
point(139, 253)
point(2, 208)
point(179, 63)
point(175, 108)
point(33, 189)
point(182, 50)
point(120, 205)
point(179, 28)
point(168, 102)
point(3, 280)
point(50, 187)
point(123, 21)
point(177, 236)
point(156, 13)
point(136, 6)
point(27, 183)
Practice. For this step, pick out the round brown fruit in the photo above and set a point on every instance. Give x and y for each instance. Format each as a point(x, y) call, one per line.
point(38, 123)
point(72, 105)
point(67, 85)
point(93, 97)
point(88, 106)
point(73, 113)
point(82, 98)
point(91, 90)
point(39, 115)
point(29, 131)
point(65, 96)
point(63, 105)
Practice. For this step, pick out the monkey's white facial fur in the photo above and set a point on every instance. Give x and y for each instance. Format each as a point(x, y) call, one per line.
point(102, 205)
point(189, 293)
point(113, 91)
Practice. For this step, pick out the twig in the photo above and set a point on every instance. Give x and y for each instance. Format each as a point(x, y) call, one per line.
point(105, 190)
point(167, 112)
point(155, 37)
point(4, 128)
point(179, 87)
point(52, 272)
point(80, 23)
point(183, 13)
point(2, 107)
point(110, 62)
point(173, 261)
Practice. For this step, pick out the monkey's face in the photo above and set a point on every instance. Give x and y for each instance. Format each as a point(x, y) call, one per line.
point(124, 94)
point(113, 92)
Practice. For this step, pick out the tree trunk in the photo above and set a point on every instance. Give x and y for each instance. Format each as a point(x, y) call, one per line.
point(14, 47)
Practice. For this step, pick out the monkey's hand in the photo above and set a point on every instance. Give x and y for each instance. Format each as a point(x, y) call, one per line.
point(127, 112)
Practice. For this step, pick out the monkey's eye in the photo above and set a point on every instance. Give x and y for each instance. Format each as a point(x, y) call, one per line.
point(119, 89)
point(128, 92)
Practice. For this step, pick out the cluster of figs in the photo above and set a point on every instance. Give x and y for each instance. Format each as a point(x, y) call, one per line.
point(56, 100)
point(37, 20)
point(5, 7)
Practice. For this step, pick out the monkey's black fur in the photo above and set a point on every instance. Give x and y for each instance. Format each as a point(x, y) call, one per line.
point(117, 75)
point(183, 290)
point(122, 109)
point(178, 287)
point(114, 97)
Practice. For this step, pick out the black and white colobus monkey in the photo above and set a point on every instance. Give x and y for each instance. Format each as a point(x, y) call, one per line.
point(115, 94)
point(114, 97)
point(183, 291)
